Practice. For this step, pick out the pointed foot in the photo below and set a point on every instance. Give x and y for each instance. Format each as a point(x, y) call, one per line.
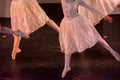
point(116, 55)
point(65, 71)
point(15, 52)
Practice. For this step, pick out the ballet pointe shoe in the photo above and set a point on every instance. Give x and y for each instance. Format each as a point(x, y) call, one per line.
point(65, 71)
point(15, 52)
point(116, 55)
point(13, 56)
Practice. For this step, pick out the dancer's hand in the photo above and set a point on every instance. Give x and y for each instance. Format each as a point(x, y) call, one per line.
point(118, 4)
point(108, 18)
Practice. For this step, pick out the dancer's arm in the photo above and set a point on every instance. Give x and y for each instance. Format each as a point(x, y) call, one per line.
point(82, 3)
point(107, 18)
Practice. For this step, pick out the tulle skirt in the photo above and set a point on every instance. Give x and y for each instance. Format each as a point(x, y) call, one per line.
point(104, 6)
point(76, 35)
point(27, 15)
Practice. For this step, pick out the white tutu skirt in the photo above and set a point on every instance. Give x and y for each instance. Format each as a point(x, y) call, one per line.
point(27, 15)
point(76, 35)
point(104, 6)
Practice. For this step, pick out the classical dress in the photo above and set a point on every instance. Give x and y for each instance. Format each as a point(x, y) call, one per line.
point(77, 32)
point(27, 15)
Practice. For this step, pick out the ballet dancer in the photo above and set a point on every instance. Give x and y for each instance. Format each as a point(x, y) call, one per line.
point(77, 33)
point(27, 16)
point(7, 30)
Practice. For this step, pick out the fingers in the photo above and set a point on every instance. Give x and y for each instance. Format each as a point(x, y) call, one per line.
point(108, 19)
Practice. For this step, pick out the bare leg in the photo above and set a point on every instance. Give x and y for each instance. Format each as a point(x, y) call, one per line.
point(66, 65)
point(103, 43)
point(16, 48)
point(52, 24)
point(10, 31)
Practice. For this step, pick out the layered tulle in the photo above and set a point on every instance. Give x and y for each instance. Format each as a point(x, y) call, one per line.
point(27, 15)
point(76, 35)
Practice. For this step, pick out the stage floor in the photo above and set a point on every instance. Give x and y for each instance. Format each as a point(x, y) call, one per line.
point(41, 58)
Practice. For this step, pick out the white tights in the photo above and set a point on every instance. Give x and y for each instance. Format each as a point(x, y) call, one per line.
point(102, 42)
